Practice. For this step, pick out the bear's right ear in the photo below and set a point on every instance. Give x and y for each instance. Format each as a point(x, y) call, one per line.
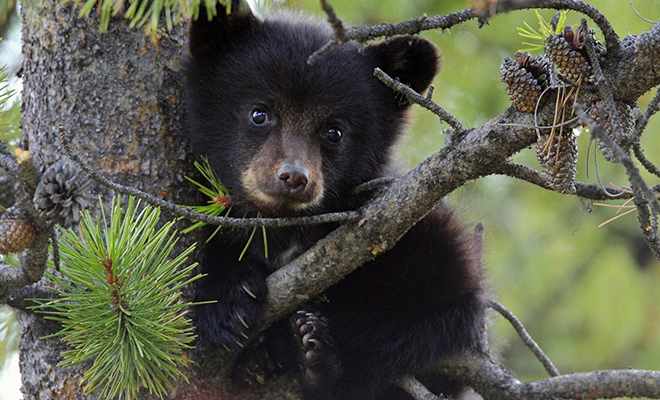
point(213, 28)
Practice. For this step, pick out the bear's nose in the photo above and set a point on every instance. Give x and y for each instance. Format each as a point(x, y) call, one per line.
point(293, 176)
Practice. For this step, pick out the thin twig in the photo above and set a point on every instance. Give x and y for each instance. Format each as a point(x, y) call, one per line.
point(335, 22)
point(643, 195)
point(654, 107)
point(640, 15)
point(416, 389)
point(586, 190)
point(417, 98)
point(414, 26)
point(637, 183)
point(526, 338)
point(648, 164)
point(346, 216)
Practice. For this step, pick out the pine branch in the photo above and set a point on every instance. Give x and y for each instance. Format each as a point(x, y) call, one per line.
point(119, 302)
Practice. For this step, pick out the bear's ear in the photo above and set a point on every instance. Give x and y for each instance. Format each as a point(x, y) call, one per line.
point(412, 59)
point(215, 28)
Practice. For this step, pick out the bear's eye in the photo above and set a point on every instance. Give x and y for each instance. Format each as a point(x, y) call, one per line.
point(259, 117)
point(333, 134)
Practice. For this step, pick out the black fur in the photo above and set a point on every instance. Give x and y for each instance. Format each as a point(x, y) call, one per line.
point(394, 315)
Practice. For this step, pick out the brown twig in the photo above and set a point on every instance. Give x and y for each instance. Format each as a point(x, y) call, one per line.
point(643, 196)
point(526, 338)
point(417, 98)
point(442, 22)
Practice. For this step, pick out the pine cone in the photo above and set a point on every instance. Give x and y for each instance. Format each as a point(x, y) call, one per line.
point(623, 137)
point(648, 43)
point(559, 159)
point(567, 51)
point(525, 78)
point(16, 231)
point(61, 194)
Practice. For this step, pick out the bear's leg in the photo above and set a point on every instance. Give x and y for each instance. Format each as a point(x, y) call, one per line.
point(239, 292)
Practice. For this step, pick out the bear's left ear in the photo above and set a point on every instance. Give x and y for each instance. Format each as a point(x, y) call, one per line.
point(412, 59)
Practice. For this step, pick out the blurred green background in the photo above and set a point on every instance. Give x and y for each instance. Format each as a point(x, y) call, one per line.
point(588, 295)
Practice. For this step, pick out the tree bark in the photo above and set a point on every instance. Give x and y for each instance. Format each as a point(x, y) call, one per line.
point(118, 96)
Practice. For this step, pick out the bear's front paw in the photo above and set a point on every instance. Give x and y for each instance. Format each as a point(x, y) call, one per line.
point(317, 349)
point(231, 320)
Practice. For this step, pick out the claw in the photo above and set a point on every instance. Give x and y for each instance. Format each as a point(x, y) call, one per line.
point(239, 344)
point(306, 338)
point(248, 291)
point(245, 336)
point(226, 347)
point(317, 344)
point(240, 317)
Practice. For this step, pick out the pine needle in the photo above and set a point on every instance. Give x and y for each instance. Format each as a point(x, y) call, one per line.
point(119, 302)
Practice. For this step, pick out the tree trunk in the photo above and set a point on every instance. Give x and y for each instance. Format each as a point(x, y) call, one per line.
point(118, 96)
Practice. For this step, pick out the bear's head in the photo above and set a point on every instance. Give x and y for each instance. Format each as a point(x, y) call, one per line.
point(284, 136)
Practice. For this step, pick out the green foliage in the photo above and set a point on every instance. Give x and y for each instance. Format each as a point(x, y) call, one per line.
point(119, 301)
point(148, 13)
point(5, 91)
point(545, 29)
point(219, 201)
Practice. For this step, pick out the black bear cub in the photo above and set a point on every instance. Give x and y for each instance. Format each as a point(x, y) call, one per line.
point(287, 139)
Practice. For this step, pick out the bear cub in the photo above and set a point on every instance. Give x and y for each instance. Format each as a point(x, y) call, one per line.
point(288, 139)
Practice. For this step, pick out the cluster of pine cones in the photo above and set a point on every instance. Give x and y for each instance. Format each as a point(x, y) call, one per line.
point(527, 79)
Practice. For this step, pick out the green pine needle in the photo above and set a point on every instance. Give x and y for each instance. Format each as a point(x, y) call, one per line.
point(538, 37)
point(119, 302)
point(219, 199)
point(218, 202)
point(147, 13)
point(5, 91)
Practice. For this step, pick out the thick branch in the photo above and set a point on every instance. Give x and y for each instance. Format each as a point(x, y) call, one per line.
point(494, 382)
point(397, 209)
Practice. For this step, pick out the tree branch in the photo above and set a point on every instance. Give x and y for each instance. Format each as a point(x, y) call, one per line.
point(642, 194)
point(526, 338)
point(442, 22)
point(416, 98)
point(415, 388)
point(494, 382)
